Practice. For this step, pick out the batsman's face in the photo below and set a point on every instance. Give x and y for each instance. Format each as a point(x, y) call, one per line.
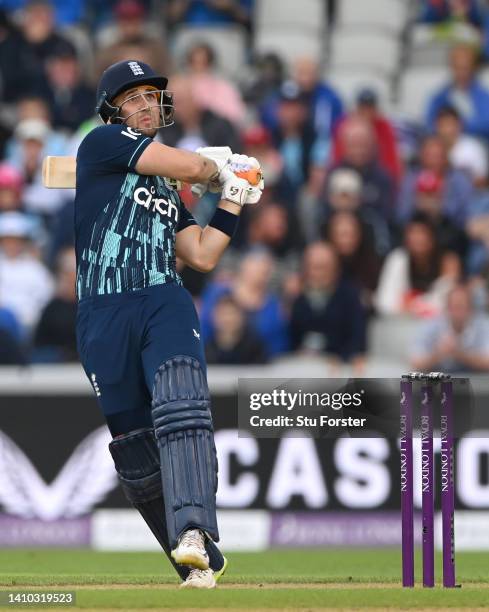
point(140, 108)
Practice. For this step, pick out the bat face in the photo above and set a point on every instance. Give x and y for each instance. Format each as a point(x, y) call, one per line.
point(59, 172)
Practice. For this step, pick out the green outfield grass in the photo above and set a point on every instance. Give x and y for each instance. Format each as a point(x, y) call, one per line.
point(299, 579)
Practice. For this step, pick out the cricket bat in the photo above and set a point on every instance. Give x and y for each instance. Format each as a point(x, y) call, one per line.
point(59, 172)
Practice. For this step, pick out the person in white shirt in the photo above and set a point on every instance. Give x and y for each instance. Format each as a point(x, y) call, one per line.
point(26, 284)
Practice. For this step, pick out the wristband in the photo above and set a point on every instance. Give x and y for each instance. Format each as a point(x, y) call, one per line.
point(224, 221)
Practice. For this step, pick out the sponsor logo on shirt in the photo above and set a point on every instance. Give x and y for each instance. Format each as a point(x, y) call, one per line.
point(148, 199)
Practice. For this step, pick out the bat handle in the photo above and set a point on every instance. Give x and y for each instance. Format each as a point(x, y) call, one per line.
point(253, 176)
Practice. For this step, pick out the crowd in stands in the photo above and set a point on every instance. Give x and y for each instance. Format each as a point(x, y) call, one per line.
point(353, 224)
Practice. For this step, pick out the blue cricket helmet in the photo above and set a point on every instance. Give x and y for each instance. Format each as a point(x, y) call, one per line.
point(124, 75)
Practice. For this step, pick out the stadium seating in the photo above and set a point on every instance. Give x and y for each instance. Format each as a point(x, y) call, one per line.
point(389, 14)
point(349, 82)
point(356, 47)
point(289, 42)
point(229, 44)
point(309, 14)
point(416, 87)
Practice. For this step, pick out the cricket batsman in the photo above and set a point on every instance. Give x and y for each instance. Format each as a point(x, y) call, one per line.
point(137, 329)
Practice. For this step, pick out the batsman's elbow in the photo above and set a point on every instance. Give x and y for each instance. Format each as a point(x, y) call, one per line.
point(204, 265)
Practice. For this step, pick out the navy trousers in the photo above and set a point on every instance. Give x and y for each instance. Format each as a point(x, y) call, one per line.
point(124, 338)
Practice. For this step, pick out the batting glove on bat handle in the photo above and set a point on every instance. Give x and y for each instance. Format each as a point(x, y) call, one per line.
point(239, 191)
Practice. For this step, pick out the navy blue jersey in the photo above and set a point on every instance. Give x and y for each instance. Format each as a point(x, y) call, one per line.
point(125, 222)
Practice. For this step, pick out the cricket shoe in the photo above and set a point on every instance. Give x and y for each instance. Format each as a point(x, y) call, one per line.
point(191, 550)
point(203, 579)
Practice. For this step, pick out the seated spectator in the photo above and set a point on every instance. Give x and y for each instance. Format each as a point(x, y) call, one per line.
point(11, 351)
point(17, 62)
point(328, 317)
point(454, 185)
point(295, 139)
point(54, 337)
point(257, 142)
point(34, 107)
point(194, 126)
point(267, 72)
point(11, 185)
point(464, 152)
point(477, 229)
point(359, 263)
point(209, 12)
point(416, 277)
point(211, 90)
point(269, 227)
point(29, 147)
point(358, 141)
point(324, 106)
point(345, 194)
point(25, 284)
point(233, 342)
point(130, 27)
point(430, 194)
point(457, 341)
point(455, 20)
point(250, 289)
point(38, 25)
point(70, 98)
point(367, 107)
point(464, 92)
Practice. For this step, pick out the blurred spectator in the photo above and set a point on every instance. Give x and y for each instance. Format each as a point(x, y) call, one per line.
point(269, 226)
point(464, 152)
point(345, 194)
point(359, 263)
point(464, 92)
point(131, 27)
point(233, 342)
point(443, 11)
point(38, 26)
point(267, 73)
point(387, 150)
point(25, 283)
point(71, 99)
point(455, 186)
point(455, 342)
point(257, 142)
point(430, 195)
point(209, 12)
point(30, 146)
point(324, 106)
point(477, 229)
point(194, 126)
point(11, 352)
point(328, 317)
point(295, 140)
point(17, 62)
point(416, 277)
point(10, 188)
point(250, 289)
point(456, 20)
point(67, 12)
point(54, 338)
point(357, 140)
point(212, 91)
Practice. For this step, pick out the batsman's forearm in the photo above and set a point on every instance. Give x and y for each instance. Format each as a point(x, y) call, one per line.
point(213, 242)
point(160, 160)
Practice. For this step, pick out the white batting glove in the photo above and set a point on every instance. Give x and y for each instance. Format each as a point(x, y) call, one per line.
point(220, 156)
point(236, 189)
